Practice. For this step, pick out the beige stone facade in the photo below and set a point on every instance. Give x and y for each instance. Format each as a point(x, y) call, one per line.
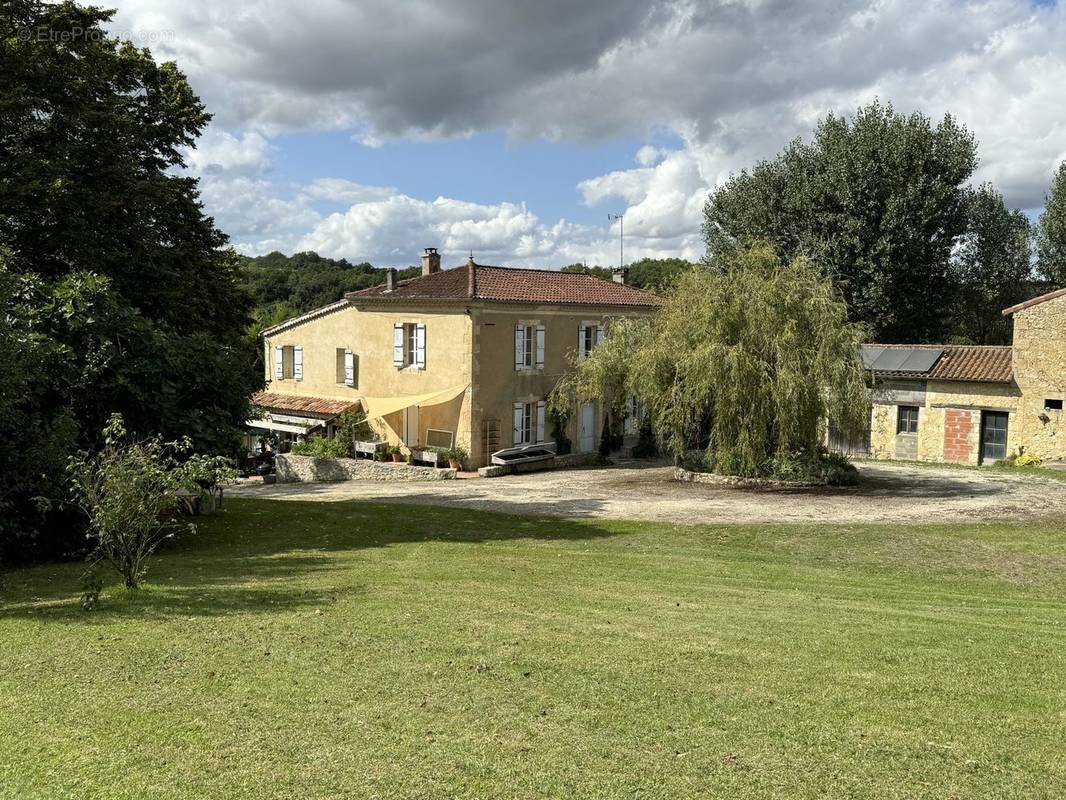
point(503, 356)
point(971, 421)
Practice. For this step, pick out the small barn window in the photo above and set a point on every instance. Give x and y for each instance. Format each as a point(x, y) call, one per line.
point(1053, 405)
point(907, 421)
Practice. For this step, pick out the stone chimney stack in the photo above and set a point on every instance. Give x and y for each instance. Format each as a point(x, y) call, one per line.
point(620, 275)
point(390, 279)
point(430, 261)
point(471, 277)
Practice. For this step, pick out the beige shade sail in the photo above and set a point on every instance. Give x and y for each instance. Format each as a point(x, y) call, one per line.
point(383, 406)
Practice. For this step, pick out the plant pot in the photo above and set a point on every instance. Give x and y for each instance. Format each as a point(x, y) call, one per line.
point(398, 458)
point(458, 465)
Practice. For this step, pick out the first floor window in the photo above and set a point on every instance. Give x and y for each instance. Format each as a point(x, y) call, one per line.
point(907, 419)
point(289, 362)
point(409, 345)
point(346, 367)
point(528, 423)
point(589, 335)
point(528, 346)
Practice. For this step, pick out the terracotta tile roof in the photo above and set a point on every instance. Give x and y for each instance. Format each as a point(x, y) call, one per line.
point(983, 364)
point(1034, 302)
point(511, 285)
point(969, 363)
point(302, 404)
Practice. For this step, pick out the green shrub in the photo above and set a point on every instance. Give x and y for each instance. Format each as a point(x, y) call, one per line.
point(321, 447)
point(646, 446)
point(129, 491)
point(456, 453)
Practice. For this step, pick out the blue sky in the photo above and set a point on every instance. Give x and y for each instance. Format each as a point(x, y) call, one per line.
point(368, 129)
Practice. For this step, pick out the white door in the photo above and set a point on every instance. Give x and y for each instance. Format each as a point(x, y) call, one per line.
point(588, 428)
point(410, 426)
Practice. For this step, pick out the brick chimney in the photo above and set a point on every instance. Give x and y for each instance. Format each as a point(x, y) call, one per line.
point(471, 278)
point(620, 275)
point(430, 261)
point(390, 279)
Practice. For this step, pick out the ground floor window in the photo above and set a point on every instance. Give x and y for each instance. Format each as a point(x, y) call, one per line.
point(907, 419)
point(528, 425)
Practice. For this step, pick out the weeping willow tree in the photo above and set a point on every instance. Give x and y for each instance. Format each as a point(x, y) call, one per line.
point(753, 359)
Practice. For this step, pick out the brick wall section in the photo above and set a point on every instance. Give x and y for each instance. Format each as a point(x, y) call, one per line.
point(958, 435)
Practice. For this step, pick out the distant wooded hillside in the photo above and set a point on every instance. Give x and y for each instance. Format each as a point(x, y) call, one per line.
point(284, 286)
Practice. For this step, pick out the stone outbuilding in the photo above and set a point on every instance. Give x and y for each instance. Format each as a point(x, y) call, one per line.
point(973, 404)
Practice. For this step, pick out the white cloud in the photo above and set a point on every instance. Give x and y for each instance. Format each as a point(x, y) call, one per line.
point(735, 79)
point(219, 151)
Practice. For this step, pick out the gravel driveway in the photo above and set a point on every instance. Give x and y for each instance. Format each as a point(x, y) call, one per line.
point(888, 492)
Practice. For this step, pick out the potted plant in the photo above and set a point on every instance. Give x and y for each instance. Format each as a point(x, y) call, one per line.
point(456, 456)
point(397, 454)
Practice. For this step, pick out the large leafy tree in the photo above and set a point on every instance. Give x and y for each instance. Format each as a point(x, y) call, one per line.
point(1051, 232)
point(877, 201)
point(752, 359)
point(117, 268)
point(993, 267)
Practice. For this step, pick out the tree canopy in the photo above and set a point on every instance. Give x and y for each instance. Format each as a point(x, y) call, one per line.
point(878, 201)
point(285, 286)
point(654, 274)
point(1051, 232)
point(125, 296)
point(750, 359)
point(992, 265)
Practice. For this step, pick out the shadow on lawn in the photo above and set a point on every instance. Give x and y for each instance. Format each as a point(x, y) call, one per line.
point(242, 561)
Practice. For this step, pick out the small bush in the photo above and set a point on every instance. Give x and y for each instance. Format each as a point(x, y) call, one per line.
point(321, 447)
point(457, 454)
point(646, 446)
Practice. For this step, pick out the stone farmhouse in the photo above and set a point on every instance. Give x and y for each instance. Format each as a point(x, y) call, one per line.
point(463, 356)
point(974, 405)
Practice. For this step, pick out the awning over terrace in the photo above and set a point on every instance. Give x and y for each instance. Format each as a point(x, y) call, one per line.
point(268, 424)
point(383, 406)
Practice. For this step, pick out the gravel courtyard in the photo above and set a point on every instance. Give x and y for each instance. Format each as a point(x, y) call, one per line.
point(888, 492)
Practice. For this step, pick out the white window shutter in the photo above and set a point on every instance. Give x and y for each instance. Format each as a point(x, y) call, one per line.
point(349, 367)
point(397, 345)
point(519, 346)
point(420, 346)
point(541, 407)
point(516, 435)
point(298, 363)
point(279, 362)
point(599, 334)
point(540, 347)
point(581, 333)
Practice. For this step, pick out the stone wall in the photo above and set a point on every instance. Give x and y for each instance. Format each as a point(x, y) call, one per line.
point(304, 469)
point(1040, 370)
point(949, 422)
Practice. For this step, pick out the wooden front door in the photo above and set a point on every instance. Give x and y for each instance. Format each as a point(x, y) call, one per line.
point(588, 428)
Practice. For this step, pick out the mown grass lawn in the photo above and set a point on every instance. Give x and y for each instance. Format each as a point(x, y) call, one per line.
point(307, 650)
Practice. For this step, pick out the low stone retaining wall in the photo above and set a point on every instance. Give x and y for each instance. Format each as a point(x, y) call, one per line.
point(305, 469)
point(687, 476)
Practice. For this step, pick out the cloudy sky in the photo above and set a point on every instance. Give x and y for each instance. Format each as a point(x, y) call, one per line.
point(368, 129)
